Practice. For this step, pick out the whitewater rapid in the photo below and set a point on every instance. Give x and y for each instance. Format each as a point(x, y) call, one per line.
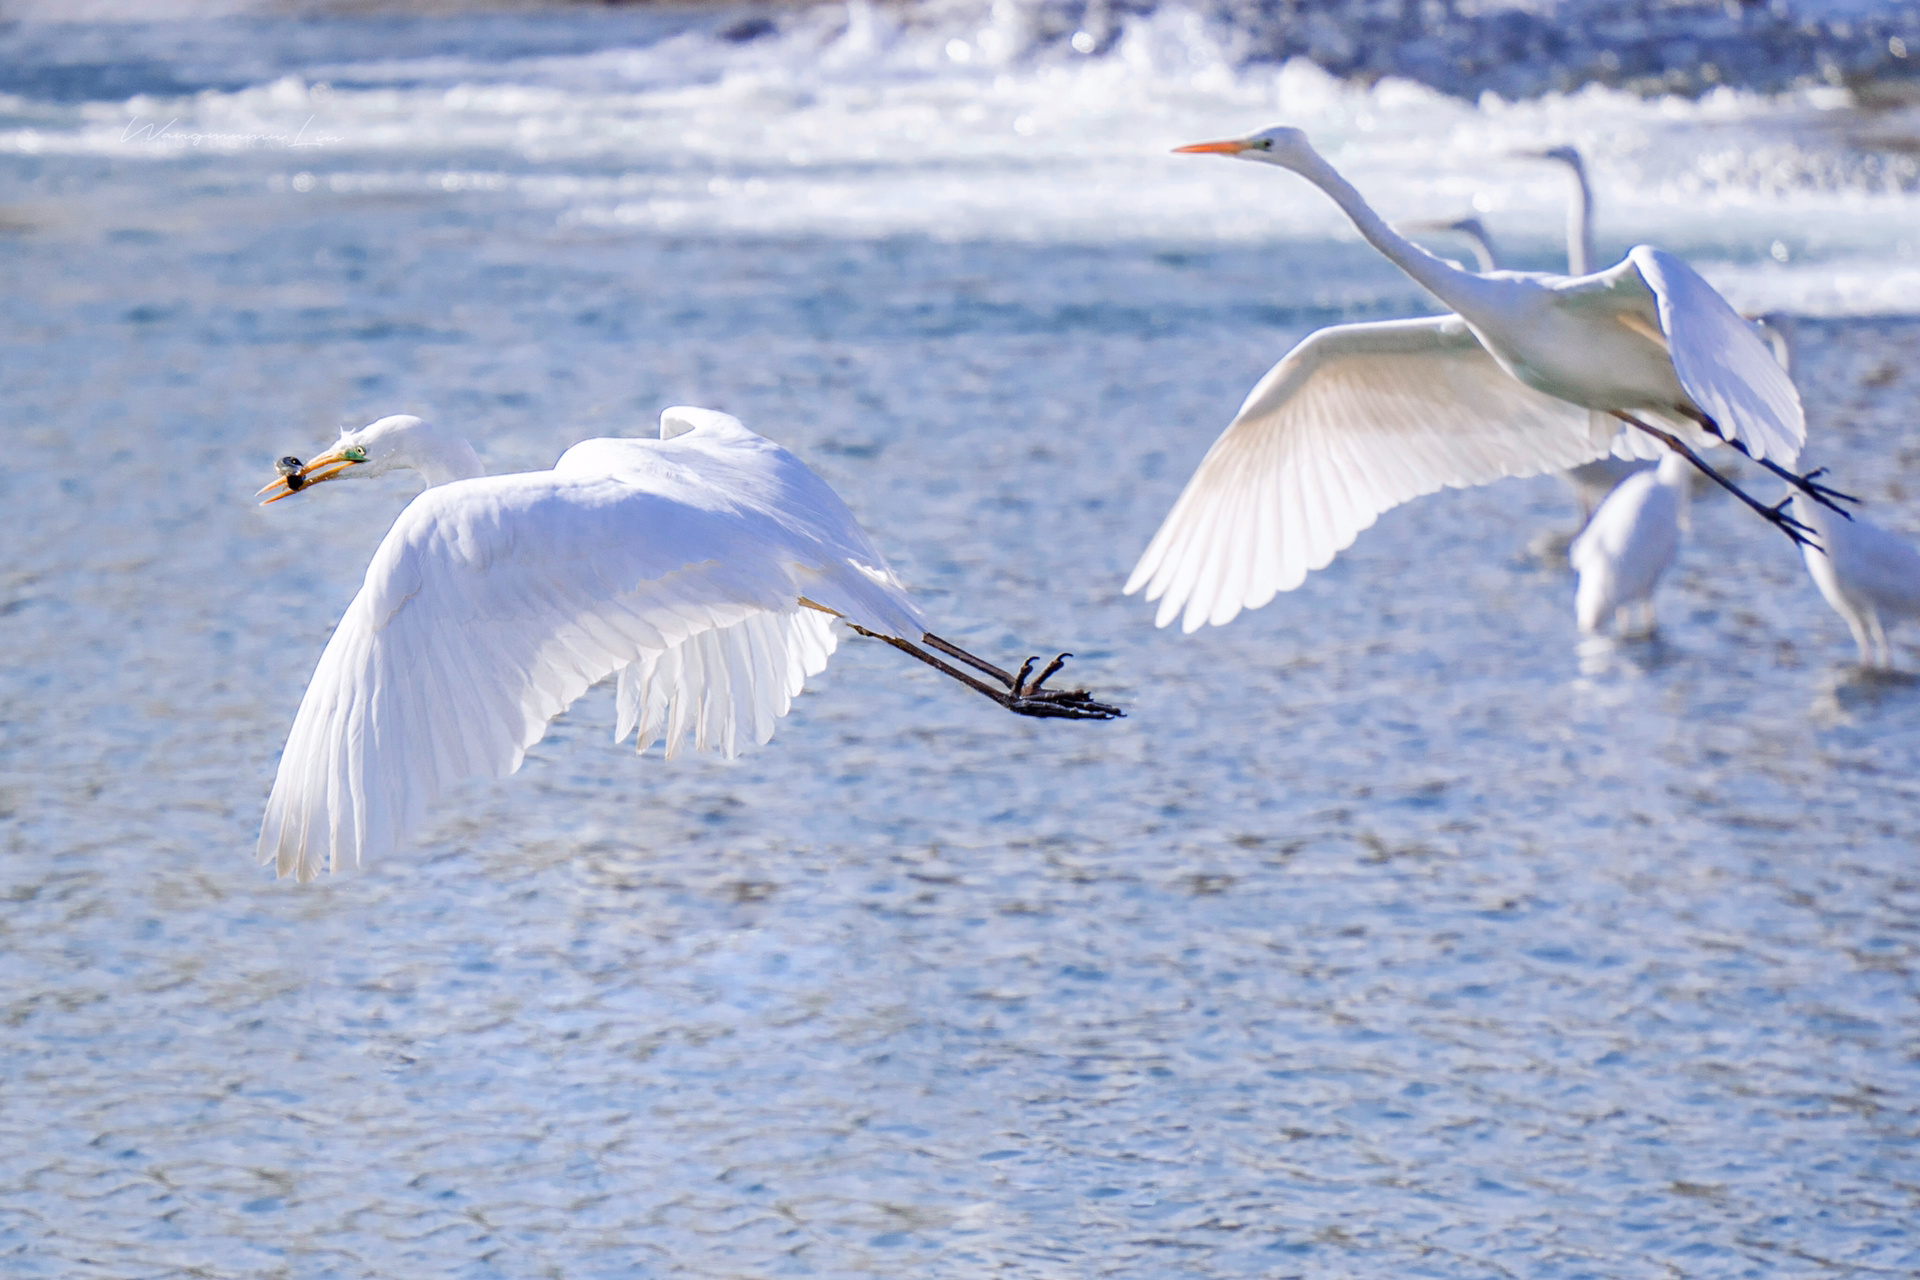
point(869, 122)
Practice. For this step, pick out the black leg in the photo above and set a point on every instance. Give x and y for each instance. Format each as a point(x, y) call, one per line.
point(1820, 493)
point(1018, 696)
point(978, 664)
point(1775, 514)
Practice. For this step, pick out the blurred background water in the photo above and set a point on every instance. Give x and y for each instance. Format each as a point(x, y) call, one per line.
point(1394, 933)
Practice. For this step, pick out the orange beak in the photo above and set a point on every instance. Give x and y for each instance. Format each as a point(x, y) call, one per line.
point(325, 467)
point(1231, 147)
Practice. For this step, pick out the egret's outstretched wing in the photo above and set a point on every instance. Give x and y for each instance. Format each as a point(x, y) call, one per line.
point(1355, 420)
point(726, 686)
point(1723, 364)
point(492, 604)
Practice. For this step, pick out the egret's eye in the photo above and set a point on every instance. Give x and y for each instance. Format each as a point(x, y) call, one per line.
point(355, 454)
point(1266, 144)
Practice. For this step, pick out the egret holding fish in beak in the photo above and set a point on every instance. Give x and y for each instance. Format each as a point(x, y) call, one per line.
point(705, 567)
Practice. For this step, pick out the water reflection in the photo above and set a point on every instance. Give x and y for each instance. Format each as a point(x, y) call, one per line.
point(1857, 696)
point(1623, 658)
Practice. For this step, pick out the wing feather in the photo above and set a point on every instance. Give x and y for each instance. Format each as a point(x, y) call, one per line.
point(1728, 369)
point(1354, 421)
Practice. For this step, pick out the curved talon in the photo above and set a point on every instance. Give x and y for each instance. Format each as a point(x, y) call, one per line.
point(1020, 681)
point(1059, 661)
point(1820, 493)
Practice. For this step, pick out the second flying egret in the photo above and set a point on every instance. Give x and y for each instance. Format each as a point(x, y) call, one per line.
point(705, 567)
point(1360, 418)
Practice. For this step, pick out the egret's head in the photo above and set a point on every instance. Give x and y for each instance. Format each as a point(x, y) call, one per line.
point(1568, 156)
point(1467, 226)
point(401, 442)
point(1280, 144)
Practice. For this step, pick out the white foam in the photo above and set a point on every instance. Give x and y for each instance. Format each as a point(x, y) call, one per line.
point(952, 123)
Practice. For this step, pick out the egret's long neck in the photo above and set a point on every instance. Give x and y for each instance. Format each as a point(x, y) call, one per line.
point(1458, 289)
point(443, 460)
point(1580, 254)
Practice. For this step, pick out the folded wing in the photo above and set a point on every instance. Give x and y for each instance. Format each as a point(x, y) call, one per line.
point(1728, 369)
point(1355, 420)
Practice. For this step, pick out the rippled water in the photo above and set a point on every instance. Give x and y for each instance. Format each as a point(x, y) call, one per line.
point(1392, 934)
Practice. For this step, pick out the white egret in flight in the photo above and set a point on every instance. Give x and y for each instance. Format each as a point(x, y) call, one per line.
point(1630, 542)
point(1359, 418)
point(1869, 576)
point(705, 567)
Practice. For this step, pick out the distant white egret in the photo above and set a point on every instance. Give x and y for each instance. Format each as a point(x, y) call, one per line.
point(1776, 330)
point(1630, 542)
point(1870, 576)
point(1360, 418)
point(706, 567)
point(1581, 258)
point(1485, 257)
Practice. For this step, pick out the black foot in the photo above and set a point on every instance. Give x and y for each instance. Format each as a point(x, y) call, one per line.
point(1776, 515)
point(1794, 529)
point(1029, 699)
point(1016, 693)
point(1825, 495)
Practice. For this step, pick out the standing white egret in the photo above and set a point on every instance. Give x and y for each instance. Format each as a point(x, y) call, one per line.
point(1581, 258)
point(1359, 418)
point(1870, 576)
point(706, 567)
point(1630, 542)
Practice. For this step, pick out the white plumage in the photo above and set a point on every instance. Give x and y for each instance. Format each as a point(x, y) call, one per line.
point(494, 602)
point(1628, 545)
point(1356, 420)
point(1360, 418)
point(1870, 576)
point(1591, 482)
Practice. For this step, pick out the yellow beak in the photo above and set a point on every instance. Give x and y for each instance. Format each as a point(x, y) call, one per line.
point(325, 467)
point(1231, 147)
